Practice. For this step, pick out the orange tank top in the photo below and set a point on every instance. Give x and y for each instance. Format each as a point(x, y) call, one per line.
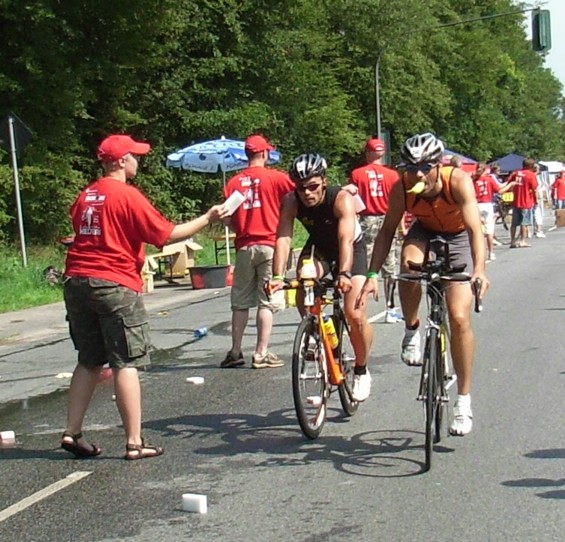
point(440, 213)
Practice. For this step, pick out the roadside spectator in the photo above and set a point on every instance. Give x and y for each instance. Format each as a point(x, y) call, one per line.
point(485, 189)
point(107, 319)
point(255, 225)
point(524, 188)
point(373, 183)
point(455, 161)
point(558, 190)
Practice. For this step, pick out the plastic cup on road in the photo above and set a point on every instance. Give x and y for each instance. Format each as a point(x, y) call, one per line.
point(191, 502)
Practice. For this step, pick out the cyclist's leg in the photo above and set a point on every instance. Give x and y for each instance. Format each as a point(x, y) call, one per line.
point(361, 334)
point(459, 299)
point(410, 293)
point(322, 269)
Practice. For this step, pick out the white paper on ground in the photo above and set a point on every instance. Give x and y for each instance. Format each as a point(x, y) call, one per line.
point(195, 380)
point(359, 204)
point(191, 502)
point(234, 201)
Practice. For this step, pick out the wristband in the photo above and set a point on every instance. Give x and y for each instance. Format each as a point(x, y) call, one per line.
point(372, 275)
point(278, 277)
point(346, 274)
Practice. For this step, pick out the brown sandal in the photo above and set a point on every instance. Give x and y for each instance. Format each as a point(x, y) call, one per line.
point(142, 451)
point(78, 450)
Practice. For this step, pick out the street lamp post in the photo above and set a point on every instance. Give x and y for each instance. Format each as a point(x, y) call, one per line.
point(378, 93)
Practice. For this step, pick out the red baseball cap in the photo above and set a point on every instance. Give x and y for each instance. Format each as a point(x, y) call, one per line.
point(257, 143)
point(375, 144)
point(117, 146)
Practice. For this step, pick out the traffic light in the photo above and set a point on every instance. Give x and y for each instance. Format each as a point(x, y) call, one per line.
point(541, 30)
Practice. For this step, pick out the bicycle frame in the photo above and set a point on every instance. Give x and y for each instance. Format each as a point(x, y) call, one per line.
point(314, 303)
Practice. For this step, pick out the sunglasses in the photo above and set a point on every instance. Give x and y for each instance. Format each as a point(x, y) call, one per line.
point(425, 168)
point(309, 188)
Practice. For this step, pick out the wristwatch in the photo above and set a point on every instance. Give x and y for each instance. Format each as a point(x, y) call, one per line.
point(346, 274)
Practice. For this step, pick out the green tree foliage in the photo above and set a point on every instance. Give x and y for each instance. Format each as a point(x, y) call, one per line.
point(174, 72)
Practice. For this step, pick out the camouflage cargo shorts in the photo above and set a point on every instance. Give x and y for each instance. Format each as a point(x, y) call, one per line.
point(108, 323)
point(370, 226)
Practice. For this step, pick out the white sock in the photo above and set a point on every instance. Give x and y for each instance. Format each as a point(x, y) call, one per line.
point(464, 401)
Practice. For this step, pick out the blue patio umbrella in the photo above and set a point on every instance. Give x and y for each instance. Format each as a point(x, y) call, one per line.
point(213, 156)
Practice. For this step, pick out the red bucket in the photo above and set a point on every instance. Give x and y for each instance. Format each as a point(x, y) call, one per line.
point(212, 276)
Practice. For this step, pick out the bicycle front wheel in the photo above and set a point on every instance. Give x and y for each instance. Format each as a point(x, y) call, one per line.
point(430, 391)
point(346, 359)
point(310, 387)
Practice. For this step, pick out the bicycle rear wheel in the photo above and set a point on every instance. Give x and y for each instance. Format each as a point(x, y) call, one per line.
point(346, 359)
point(310, 387)
point(430, 392)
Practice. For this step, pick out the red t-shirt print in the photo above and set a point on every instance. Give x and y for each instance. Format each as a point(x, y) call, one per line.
point(374, 183)
point(255, 221)
point(112, 221)
point(485, 188)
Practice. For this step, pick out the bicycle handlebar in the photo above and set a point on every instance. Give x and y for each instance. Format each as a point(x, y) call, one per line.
point(293, 284)
point(453, 277)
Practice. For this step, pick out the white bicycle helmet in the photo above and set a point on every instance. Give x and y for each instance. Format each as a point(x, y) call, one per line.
point(306, 166)
point(422, 148)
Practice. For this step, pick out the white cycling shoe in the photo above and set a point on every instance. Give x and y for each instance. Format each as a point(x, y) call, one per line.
point(361, 387)
point(462, 421)
point(411, 353)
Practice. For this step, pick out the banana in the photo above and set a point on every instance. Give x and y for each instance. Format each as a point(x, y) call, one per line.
point(418, 188)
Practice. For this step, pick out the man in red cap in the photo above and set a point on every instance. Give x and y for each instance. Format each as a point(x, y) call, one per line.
point(107, 319)
point(372, 183)
point(255, 224)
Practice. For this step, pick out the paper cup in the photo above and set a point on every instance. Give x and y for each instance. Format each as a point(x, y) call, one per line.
point(359, 204)
point(195, 503)
point(234, 201)
point(197, 380)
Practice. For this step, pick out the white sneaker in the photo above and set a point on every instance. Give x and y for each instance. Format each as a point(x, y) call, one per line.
point(492, 257)
point(411, 354)
point(540, 234)
point(361, 387)
point(496, 242)
point(393, 317)
point(462, 421)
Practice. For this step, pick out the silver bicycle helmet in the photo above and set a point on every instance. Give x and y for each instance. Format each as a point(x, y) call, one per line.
point(306, 166)
point(422, 148)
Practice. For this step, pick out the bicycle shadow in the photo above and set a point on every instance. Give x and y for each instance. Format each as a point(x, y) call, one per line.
point(275, 440)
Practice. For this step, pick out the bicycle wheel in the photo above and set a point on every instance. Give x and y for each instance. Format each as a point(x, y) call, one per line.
point(346, 359)
point(310, 388)
point(430, 391)
point(441, 371)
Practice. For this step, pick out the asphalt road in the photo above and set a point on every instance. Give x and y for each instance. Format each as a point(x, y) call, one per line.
point(235, 438)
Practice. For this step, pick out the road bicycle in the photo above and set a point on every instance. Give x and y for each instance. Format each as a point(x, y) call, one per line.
point(318, 367)
point(503, 209)
point(436, 378)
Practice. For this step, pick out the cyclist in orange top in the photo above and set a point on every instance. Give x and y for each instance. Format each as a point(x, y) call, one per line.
point(442, 200)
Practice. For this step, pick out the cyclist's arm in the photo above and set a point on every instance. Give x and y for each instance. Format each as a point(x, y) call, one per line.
point(284, 234)
point(394, 214)
point(344, 211)
point(464, 195)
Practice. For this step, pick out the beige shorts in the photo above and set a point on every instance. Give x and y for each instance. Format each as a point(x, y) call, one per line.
point(253, 266)
point(370, 226)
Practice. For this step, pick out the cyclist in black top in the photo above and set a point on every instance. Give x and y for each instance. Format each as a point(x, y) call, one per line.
point(328, 214)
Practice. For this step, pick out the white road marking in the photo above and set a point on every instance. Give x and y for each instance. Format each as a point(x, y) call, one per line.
point(376, 317)
point(42, 494)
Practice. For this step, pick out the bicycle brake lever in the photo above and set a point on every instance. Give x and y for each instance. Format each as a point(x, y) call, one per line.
point(477, 286)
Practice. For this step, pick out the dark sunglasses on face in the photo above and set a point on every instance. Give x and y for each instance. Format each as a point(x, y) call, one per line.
point(309, 188)
point(425, 168)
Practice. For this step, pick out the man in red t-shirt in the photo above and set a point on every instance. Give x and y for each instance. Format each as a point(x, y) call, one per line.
point(485, 188)
point(107, 319)
point(373, 182)
point(525, 184)
point(558, 191)
point(255, 225)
